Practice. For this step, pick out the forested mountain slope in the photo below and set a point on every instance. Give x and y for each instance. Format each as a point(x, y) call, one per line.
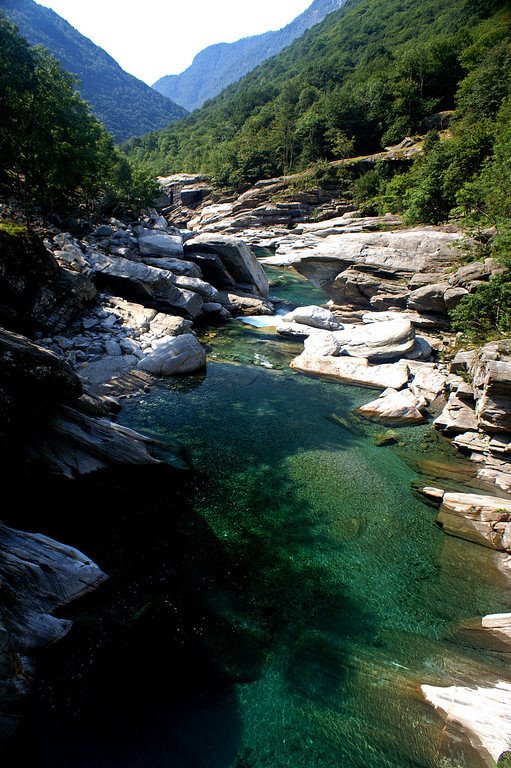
point(127, 106)
point(363, 78)
point(218, 66)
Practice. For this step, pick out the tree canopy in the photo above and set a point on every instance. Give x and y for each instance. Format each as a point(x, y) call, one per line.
point(53, 151)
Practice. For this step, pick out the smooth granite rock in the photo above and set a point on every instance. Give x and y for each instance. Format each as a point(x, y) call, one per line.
point(314, 317)
point(377, 342)
point(161, 245)
point(395, 408)
point(175, 356)
point(236, 256)
point(350, 370)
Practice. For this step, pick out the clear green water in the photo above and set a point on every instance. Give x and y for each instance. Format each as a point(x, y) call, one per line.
point(354, 590)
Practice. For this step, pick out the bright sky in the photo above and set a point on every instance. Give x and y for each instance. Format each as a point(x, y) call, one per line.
point(161, 37)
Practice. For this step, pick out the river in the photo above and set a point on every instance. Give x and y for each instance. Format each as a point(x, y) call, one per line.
point(329, 593)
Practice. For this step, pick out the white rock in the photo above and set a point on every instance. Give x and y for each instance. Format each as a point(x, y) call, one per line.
point(322, 343)
point(173, 356)
point(394, 407)
point(315, 317)
point(378, 342)
point(485, 713)
point(350, 370)
point(429, 383)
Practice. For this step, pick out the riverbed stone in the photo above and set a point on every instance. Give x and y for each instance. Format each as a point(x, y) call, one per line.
point(395, 408)
point(174, 356)
point(314, 317)
point(350, 370)
point(161, 244)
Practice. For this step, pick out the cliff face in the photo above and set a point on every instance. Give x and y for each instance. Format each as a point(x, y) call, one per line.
point(218, 66)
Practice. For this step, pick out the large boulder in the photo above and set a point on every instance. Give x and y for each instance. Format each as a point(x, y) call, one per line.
point(457, 417)
point(429, 382)
point(176, 266)
point(173, 356)
point(199, 286)
point(314, 317)
point(148, 284)
point(377, 342)
point(429, 298)
point(239, 303)
point(236, 256)
point(159, 244)
point(395, 408)
point(363, 288)
point(483, 520)
point(350, 370)
point(404, 251)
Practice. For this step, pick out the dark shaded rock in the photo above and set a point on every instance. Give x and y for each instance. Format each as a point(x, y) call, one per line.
point(147, 284)
point(31, 378)
point(35, 293)
point(37, 575)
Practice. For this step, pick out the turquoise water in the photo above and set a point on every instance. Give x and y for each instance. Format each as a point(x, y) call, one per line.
point(343, 596)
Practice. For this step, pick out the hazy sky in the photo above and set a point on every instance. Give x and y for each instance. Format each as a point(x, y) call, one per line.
point(160, 37)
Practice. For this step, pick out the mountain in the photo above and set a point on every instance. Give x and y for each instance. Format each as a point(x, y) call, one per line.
point(127, 106)
point(218, 66)
point(365, 77)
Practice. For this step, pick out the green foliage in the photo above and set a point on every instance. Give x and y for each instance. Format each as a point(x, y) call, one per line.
point(53, 151)
point(485, 313)
point(366, 76)
point(504, 760)
point(12, 228)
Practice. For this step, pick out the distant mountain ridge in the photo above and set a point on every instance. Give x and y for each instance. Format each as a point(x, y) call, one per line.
point(127, 106)
point(218, 66)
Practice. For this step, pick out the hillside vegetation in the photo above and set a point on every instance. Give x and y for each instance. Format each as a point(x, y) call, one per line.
point(127, 106)
point(217, 66)
point(363, 78)
point(54, 153)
